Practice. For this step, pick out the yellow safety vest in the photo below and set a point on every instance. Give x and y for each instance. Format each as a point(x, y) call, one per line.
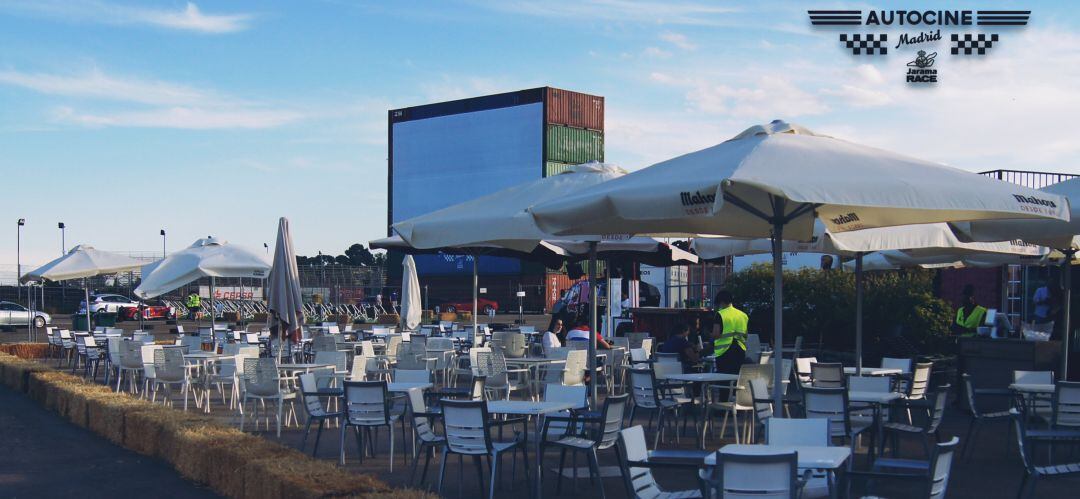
point(735, 323)
point(972, 321)
point(194, 301)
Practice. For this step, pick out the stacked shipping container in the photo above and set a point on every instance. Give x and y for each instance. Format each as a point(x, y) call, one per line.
point(573, 134)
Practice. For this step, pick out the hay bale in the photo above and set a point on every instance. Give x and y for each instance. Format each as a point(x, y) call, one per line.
point(228, 462)
point(39, 385)
point(402, 494)
point(303, 477)
point(16, 372)
point(146, 426)
point(26, 350)
point(192, 449)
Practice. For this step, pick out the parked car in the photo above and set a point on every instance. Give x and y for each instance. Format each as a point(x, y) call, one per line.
point(107, 303)
point(158, 310)
point(13, 314)
point(488, 306)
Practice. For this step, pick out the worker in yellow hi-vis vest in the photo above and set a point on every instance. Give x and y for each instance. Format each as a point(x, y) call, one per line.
point(729, 334)
point(970, 315)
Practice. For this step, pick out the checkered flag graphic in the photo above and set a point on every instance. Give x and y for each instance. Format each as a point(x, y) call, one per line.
point(972, 44)
point(869, 44)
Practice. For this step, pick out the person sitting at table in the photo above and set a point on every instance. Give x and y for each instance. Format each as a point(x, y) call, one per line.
point(970, 315)
point(679, 343)
point(581, 332)
point(552, 335)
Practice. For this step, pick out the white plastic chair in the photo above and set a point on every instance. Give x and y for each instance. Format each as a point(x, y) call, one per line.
point(367, 405)
point(169, 370)
point(262, 383)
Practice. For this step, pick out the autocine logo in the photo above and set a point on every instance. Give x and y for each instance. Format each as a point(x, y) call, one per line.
point(919, 33)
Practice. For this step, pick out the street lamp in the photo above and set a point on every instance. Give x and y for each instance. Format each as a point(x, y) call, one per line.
point(63, 241)
point(162, 243)
point(267, 248)
point(18, 258)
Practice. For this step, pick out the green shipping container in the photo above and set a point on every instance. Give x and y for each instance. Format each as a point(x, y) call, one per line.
point(552, 168)
point(574, 145)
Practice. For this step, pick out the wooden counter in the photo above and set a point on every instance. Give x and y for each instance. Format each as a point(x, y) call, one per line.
point(991, 362)
point(660, 322)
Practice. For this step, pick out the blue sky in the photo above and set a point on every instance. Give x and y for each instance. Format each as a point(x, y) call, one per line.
point(121, 118)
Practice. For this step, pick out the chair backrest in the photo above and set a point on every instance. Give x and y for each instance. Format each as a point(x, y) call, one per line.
point(904, 365)
point(251, 338)
point(797, 432)
point(261, 377)
point(802, 368)
point(748, 372)
point(643, 388)
point(753, 347)
point(827, 374)
point(168, 364)
point(765, 357)
point(367, 348)
point(191, 344)
point(830, 404)
point(366, 403)
point(664, 369)
point(759, 392)
point(757, 475)
point(421, 424)
point(310, 397)
point(1033, 377)
point(1066, 404)
point(574, 369)
point(324, 344)
point(576, 395)
point(577, 344)
point(632, 448)
point(392, 344)
point(335, 358)
point(941, 468)
point(515, 345)
point(662, 357)
point(634, 339)
point(146, 352)
point(638, 355)
point(920, 380)
point(477, 392)
point(880, 384)
point(131, 355)
point(647, 346)
point(412, 376)
point(611, 420)
point(466, 425)
point(621, 341)
point(937, 408)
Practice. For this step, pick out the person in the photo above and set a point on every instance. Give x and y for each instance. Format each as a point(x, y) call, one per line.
point(1043, 301)
point(729, 334)
point(970, 315)
point(679, 343)
point(581, 332)
point(555, 335)
point(193, 304)
point(826, 262)
point(625, 304)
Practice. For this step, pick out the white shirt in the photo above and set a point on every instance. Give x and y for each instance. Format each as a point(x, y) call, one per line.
point(551, 341)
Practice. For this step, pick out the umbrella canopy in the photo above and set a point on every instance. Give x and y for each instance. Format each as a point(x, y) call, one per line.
point(411, 308)
point(82, 261)
point(891, 260)
point(779, 178)
point(1057, 234)
point(501, 218)
point(283, 298)
point(208, 257)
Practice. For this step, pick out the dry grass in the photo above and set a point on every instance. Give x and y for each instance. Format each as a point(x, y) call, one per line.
point(26, 350)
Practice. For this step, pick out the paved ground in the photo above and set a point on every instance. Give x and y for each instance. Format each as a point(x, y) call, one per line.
point(43, 455)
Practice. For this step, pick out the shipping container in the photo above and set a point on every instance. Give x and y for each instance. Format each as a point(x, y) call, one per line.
point(575, 109)
point(573, 145)
point(554, 284)
point(552, 168)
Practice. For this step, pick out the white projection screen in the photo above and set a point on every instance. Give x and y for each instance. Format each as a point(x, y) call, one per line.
point(444, 160)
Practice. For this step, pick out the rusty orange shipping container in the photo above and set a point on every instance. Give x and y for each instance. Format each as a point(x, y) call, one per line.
point(575, 109)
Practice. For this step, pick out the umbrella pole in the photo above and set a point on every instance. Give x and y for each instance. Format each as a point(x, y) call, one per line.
point(86, 289)
point(475, 293)
point(858, 313)
point(1066, 279)
point(778, 317)
point(593, 298)
point(213, 312)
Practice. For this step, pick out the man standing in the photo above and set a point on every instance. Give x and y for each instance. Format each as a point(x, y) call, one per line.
point(970, 315)
point(729, 334)
point(194, 302)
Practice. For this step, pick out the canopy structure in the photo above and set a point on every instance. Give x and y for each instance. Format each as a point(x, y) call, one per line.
point(81, 262)
point(774, 181)
point(283, 298)
point(411, 307)
point(1058, 234)
point(893, 247)
point(209, 257)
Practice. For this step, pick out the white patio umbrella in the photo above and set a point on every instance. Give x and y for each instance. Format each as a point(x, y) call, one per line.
point(209, 257)
point(774, 181)
point(1058, 234)
point(922, 245)
point(411, 308)
point(83, 261)
point(283, 298)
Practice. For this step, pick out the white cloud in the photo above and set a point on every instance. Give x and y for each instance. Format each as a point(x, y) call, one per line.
point(192, 118)
point(859, 96)
point(189, 18)
point(656, 52)
point(766, 98)
point(678, 40)
point(683, 13)
point(97, 84)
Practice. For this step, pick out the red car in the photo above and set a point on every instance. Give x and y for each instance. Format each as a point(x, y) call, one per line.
point(150, 312)
point(488, 306)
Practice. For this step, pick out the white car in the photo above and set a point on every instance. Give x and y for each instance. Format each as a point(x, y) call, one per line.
point(13, 314)
point(107, 303)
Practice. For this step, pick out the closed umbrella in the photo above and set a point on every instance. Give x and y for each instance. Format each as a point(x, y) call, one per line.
point(1058, 234)
point(411, 308)
point(774, 181)
point(83, 261)
point(209, 257)
point(283, 298)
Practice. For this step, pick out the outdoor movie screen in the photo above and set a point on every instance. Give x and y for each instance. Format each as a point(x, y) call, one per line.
point(445, 160)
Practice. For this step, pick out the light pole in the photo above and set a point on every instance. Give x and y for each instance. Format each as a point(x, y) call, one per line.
point(162, 243)
point(63, 240)
point(18, 258)
point(267, 248)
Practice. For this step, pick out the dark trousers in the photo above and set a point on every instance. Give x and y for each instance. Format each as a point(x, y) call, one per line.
point(730, 363)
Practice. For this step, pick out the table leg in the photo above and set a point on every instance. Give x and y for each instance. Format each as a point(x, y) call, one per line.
point(539, 491)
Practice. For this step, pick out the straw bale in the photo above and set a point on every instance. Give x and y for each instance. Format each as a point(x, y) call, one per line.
point(229, 461)
point(304, 477)
point(146, 427)
point(26, 350)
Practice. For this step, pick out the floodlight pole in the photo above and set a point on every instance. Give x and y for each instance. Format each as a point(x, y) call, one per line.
point(858, 312)
point(593, 298)
point(1066, 281)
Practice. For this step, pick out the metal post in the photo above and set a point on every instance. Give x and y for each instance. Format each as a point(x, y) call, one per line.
point(475, 294)
point(1066, 333)
point(593, 298)
point(18, 259)
point(86, 289)
point(213, 312)
point(778, 317)
point(858, 312)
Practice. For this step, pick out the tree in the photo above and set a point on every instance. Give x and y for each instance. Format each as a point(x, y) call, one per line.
point(357, 254)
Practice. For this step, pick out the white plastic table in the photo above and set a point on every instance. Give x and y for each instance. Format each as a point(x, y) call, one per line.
point(529, 408)
point(874, 371)
point(702, 377)
point(404, 387)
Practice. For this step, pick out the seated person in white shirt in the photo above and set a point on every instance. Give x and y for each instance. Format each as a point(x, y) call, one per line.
point(551, 337)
